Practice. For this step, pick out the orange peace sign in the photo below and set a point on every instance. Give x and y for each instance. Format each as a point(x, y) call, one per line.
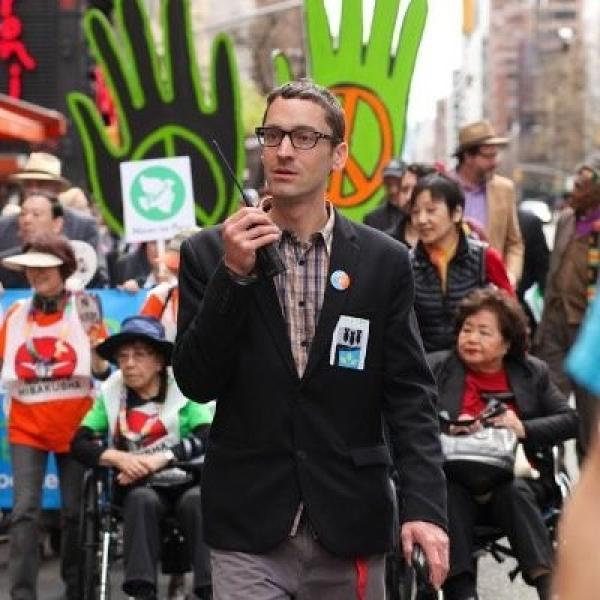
point(364, 184)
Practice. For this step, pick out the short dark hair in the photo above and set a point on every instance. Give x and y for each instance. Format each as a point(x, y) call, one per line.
point(440, 187)
point(305, 89)
point(511, 318)
point(55, 206)
point(470, 151)
point(421, 169)
point(59, 246)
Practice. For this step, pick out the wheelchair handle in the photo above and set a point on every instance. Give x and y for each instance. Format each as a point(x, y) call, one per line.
point(421, 569)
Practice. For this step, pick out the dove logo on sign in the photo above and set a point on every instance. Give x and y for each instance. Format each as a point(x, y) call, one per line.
point(157, 193)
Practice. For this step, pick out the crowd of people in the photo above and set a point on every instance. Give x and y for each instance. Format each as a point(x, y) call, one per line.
point(329, 379)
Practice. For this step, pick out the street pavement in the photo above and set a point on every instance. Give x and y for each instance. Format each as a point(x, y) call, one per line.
point(493, 580)
point(494, 583)
point(50, 585)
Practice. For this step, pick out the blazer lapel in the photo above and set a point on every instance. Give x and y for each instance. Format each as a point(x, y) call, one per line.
point(519, 386)
point(266, 298)
point(344, 255)
point(564, 234)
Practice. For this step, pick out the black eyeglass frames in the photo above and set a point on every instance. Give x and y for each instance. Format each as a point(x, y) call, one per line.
point(301, 139)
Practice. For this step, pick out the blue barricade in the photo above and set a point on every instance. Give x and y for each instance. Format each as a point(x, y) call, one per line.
point(116, 305)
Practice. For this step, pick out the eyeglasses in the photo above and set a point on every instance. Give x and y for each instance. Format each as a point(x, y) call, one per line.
point(301, 139)
point(138, 354)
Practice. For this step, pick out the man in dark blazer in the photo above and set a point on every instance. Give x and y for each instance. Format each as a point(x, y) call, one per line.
point(392, 211)
point(535, 259)
point(307, 367)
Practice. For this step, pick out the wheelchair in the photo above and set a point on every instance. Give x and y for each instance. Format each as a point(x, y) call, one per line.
point(101, 539)
point(489, 539)
point(411, 582)
point(404, 581)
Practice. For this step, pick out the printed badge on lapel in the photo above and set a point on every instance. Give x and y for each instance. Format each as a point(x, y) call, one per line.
point(349, 343)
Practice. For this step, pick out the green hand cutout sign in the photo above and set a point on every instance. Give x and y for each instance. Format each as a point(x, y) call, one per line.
point(162, 108)
point(372, 85)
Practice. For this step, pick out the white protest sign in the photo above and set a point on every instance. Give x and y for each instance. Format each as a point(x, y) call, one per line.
point(158, 199)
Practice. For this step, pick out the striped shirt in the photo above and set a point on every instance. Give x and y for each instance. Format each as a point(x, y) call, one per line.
point(301, 287)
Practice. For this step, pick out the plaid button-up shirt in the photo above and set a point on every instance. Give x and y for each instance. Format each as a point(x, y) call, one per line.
point(301, 287)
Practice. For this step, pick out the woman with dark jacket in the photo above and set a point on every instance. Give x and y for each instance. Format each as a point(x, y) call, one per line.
point(490, 356)
point(447, 264)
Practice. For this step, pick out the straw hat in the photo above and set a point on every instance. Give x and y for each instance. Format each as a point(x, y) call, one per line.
point(480, 133)
point(41, 166)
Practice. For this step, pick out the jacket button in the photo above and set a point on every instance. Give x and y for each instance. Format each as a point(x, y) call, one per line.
point(301, 454)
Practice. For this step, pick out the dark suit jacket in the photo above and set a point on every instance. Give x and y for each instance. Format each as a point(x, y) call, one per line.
point(133, 265)
point(542, 407)
point(278, 439)
point(386, 217)
point(537, 255)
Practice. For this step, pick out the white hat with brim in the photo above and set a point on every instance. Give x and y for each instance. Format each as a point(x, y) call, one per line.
point(31, 259)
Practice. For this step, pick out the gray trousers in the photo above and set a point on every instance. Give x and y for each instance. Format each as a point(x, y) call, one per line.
point(299, 568)
point(143, 509)
point(29, 467)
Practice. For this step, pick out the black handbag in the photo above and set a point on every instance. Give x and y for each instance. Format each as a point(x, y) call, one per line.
point(482, 460)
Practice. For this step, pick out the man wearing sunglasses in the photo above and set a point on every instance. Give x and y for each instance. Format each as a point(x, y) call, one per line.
point(490, 200)
point(571, 287)
point(306, 367)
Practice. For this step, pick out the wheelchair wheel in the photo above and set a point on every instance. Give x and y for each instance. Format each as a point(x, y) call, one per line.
point(96, 541)
point(401, 580)
point(89, 532)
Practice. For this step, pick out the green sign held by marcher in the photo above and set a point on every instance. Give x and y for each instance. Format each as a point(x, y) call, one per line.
point(157, 193)
point(158, 198)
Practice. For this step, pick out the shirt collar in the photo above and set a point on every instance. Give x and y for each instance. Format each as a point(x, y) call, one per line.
point(325, 233)
point(465, 185)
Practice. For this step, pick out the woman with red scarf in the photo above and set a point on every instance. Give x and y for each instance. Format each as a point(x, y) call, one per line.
point(490, 356)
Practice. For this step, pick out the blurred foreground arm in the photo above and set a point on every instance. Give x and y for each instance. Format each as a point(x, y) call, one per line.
point(577, 573)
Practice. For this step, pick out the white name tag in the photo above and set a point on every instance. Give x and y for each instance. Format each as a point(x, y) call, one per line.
point(349, 343)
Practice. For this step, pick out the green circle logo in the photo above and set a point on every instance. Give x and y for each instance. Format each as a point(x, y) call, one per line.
point(157, 193)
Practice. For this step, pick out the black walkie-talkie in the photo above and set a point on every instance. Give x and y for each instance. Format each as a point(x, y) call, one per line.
point(267, 257)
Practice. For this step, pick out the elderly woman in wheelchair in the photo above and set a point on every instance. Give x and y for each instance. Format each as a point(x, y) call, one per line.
point(493, 396)
point(152, 432)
